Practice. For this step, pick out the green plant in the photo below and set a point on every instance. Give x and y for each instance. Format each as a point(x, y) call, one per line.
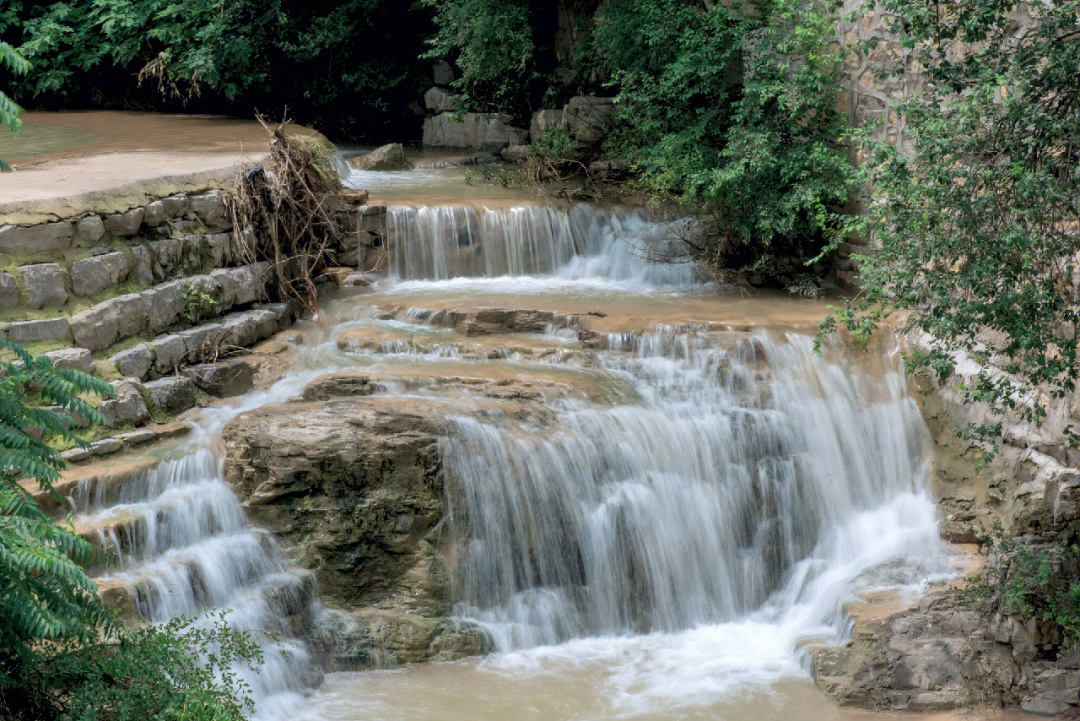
point(976, 228)
point(197, 303)
point(9, 111)
point(1036, 582)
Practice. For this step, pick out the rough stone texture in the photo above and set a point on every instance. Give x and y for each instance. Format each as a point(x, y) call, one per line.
point(371, 638)
point(43, 286)
point(89, 230)
point(209, 208)
point(171, 395)
point(388, 157)
point(544, 120)
point(175, 205)
point(143, 270)
point(41, 238)
point(9, 292)
point(111, 320)
point(474, 130)
point(355, 487)
point(438, 100)
point(155, 214)
point(135, 362)
point(164, 304)
point(515, 153)
point(223, 378)
point(76, 358)
point(93, 275)
point(588, 118)
point(442, 73)
point(32, 331)
point(169, 352)
point(127, 404)
point(125, 224)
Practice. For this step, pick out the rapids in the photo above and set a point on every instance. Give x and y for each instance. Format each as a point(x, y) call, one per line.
point(662, 554)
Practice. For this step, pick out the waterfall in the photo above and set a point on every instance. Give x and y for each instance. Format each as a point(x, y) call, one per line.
point(741, 483)
point(579, 243)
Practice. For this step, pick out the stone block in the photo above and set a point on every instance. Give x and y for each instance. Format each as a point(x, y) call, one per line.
point(106, 446)
point(42, 238)
point(164, 305)
point(75, 358)
point(209, 208)
point(166, 257)
point(223, 378)
point(442, 73)
point(93, 275)
point(171, 395)
point(127, 404)
point(135, 362)
point(89, 230)
point(9, 292)
point(219, 248)
point(109, 321)
point(175, 205)
point(155, 214)
point(33, 331)
point(388, 157)
point(544, 120)
point(196, 338)
point(143, 270)
point(475, 130)
point(515, 153)
point(588, 118)
point(43, 286)
point(169, 352)
point(125, 224)
point(438, 100)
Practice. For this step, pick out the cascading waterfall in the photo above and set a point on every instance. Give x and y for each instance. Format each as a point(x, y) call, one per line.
point(579, 243)
point(722, 493)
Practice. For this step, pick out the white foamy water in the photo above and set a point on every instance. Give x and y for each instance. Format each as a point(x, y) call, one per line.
point(661, 558)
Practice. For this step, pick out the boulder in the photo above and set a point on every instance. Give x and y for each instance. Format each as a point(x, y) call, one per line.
point(93, 275)
point(374, 638)
point(544, 120)
point(223, 378)
point(357, 484)
point(9, 292)
point(89, 230)
point(171, 395)
point(33, 331)
point(169, 352)
point(75, 358)
point(127, 404)
point(175, 205)
point(388, 157)
point(43, 285)
point(125, 224)
point(442, 73)
point(43, 238)
point(515, 153)
point(135, 362)
point(438, 100)
point(481, 131)
point(588, 118)
point(209, 208)
point(164, 304)
point(102, 325)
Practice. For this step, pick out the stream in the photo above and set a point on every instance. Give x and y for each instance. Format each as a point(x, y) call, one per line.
point(711, 494)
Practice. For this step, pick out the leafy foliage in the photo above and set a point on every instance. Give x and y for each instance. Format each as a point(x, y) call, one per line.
point(734, 109)
point(978, 228)
point(1038, 582)
point(63, 654)
point(359, 71)
point(16, 64)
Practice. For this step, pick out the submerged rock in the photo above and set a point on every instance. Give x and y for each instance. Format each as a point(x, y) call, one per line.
point(388, 157)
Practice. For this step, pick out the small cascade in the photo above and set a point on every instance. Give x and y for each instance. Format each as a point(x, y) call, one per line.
point(579, 243)
point(180, 545)
point(726, 493)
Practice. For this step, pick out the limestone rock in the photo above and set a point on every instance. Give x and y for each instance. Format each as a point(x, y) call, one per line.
point(164, 304)
point(32, 331)
point(125, 224)
point(475, 130)
point(9, 292)
point(438, 100)
point(223, 378)
point(175, 205)
point(209, 208)
point(75, 358)
point(171, 395)
point(169, 352)
point(89, 230)
point(93, 275)
point(43, 238)
point(142, 271)
point(388, 157)
point(371, 638)
point(102, 325)
point(544, 120)
point(135, 362)
point(155, 214)
point(127, 404)
point(442, 73)
point(588, 118)
point(357, 484)
point(515, 153)
point(43, 285)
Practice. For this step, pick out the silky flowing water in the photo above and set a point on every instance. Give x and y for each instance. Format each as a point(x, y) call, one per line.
point(709, 497)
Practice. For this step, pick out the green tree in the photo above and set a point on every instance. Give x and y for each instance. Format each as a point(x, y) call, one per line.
point(63, 654)
point(14, 63)
point(976, 229)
